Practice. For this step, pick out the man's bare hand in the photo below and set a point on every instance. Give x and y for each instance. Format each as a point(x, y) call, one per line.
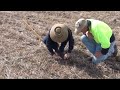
point(67, 56)
point(60, 55)
point(98, 54)
point(56, 56)
point(89, 35)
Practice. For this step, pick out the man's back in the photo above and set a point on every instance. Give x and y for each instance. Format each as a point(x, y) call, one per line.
point(101, 32)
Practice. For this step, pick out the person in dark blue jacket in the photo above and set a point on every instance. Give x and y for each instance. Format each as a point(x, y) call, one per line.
point(56, 40)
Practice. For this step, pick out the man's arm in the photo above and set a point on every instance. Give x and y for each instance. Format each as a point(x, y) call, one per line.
point(63, 44)
point(71, 42)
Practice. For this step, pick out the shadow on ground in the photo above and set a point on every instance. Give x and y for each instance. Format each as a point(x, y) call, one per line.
point(114, 63)
point(78, 60)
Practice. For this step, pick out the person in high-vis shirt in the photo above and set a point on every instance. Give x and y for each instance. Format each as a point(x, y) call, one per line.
point(98, 38)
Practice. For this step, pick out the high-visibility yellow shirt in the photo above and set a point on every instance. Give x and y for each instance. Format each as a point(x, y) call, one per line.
point(101, 32)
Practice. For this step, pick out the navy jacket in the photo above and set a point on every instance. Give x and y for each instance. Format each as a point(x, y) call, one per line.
point(54, 45)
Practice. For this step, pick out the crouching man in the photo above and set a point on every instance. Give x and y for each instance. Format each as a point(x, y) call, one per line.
point(56, 40)
point(98, 39)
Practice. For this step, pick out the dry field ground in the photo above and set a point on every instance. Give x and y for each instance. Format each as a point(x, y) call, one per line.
point(23, 56)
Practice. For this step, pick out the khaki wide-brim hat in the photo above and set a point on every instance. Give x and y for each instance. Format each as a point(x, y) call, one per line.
point(59, 33)
point(79, 25)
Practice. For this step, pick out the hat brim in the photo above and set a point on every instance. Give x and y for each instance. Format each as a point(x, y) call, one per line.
point(60, 38)
point(76, 31)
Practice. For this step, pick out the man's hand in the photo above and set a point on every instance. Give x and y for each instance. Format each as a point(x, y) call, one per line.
point(52, 54)
point(56, 56)
point(89, 35)
point(98, 54)
point(67, 56)
point(61, 54)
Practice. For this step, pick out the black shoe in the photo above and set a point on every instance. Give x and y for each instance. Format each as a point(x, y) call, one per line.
point(116, 51)
point(89, 58)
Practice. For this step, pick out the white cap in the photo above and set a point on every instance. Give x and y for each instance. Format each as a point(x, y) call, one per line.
point(79, 25)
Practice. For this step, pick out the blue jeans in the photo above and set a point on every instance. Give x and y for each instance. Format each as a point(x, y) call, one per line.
point(93, 47)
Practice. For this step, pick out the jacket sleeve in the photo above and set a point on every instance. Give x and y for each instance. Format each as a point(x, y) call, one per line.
point(71, 42)
point(63, 44)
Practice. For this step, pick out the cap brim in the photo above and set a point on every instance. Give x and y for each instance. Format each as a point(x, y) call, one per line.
point(76, 31)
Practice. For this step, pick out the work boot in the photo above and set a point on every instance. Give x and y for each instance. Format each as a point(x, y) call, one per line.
point(89, 58)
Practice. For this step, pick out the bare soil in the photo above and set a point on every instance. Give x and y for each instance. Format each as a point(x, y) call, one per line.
point(23, 56)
